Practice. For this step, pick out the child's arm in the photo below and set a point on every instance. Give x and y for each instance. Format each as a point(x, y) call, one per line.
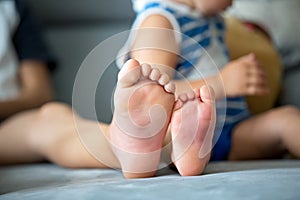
point(242, 77)
point(155, 43)
point(245, 77)
point(36, 89)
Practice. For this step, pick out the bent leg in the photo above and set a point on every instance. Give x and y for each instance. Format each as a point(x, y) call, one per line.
point(14, 140)
point(51, 133)
point(267, 135)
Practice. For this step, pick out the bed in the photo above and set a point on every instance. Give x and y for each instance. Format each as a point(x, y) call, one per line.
point(273, 179)
point(72, 32)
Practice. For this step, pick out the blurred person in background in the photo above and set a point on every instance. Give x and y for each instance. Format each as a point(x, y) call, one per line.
point(24, 61)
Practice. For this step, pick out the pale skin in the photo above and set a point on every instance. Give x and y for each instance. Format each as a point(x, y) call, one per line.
point(267, 135)
point(65, 148)
point(27, 140)
point(28, 137)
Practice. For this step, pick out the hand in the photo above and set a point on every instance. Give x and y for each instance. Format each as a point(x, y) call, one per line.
point(245, 76)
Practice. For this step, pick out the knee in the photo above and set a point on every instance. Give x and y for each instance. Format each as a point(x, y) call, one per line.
point(48, 124)
point(287, 111)
point(54, 109)
point(284, 114)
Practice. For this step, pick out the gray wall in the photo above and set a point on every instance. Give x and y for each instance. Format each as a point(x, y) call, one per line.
point(56, 11)
point(73, 29)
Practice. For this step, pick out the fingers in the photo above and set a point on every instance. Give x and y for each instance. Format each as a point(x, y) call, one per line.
point(256, 80)
point(245, 76)
point(256, 75)
point(257, 90)
point(256, 67)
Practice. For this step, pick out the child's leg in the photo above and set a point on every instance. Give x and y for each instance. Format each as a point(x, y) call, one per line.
point(50, 133)
point(144, 100)
point(267, 135)
point(14, 140)
point(56, 134)
point(192, 128)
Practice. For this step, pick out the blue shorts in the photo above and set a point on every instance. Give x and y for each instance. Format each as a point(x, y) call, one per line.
point(222, 148)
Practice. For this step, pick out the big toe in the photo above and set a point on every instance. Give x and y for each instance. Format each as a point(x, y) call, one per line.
point(130, 73)
point(206, 94)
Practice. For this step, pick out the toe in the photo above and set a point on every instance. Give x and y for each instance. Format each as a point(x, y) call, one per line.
point(191, 95)
point(164, 79)
point(207, 94)
point(130, 73)
point(196, 92)
point(178, 104)
point(183, 97)
point(154, 75)
point(146, 70)
point(170, 87)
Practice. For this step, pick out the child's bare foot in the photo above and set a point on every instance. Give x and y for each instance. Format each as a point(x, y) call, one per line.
point(144, 100)
point(192, 128)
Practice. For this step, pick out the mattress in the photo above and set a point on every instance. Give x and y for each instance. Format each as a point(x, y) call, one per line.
point(221, 180)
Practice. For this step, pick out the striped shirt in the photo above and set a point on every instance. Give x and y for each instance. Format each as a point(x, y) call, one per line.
point(202, 49)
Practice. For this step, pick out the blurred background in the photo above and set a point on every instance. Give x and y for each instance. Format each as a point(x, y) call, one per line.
point(73, 29)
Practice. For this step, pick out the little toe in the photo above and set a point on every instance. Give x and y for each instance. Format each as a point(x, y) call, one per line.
point(183, 97)
point(191, 95)
point(178, 105)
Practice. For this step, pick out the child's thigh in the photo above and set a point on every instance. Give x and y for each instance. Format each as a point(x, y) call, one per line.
point(260, 136)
